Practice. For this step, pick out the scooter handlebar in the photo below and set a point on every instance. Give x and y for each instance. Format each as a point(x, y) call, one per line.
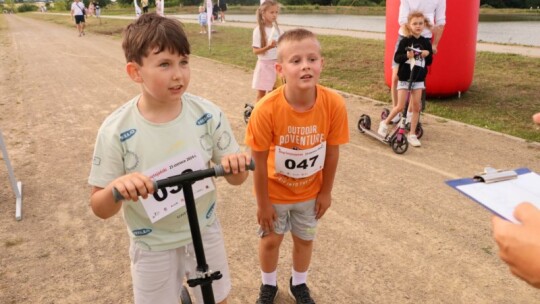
point(193, 176)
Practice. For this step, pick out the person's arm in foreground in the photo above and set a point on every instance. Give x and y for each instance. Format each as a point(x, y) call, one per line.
point(265, 212)
point(324, 199)
point(519, 244)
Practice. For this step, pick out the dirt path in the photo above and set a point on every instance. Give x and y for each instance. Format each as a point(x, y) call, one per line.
point(395, 233)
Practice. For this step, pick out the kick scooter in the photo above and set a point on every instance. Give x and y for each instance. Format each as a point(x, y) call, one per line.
point(204, 276)
point(396, 138)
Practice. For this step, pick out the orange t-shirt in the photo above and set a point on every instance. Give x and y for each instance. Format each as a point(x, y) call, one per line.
point(299, 138)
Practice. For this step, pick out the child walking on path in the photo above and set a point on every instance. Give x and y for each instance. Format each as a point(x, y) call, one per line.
point(164, 131)
point(203, 20)
point(296, 130)
point(412, 65)
point(265, 37)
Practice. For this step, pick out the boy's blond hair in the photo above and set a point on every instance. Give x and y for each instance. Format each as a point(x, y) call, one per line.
point(153, 33)
point(297, 34)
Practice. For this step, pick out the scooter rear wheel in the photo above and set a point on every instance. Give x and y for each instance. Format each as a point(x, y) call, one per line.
point(419, 131)
point(364, 122)
point(399, 144)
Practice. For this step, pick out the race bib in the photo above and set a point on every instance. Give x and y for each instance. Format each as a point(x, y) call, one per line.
point(165, 201)
point(300, 163)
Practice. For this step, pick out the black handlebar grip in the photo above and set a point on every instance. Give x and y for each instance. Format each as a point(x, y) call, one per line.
point(196, 175)
point(119, 197)
point(219, 171)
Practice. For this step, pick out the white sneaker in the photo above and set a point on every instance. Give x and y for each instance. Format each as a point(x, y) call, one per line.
point(383, 129)
point(413, 140)
point(396, 118)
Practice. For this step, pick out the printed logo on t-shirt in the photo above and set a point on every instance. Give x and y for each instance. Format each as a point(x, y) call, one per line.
point(127, 134)
point(204, 119)
point(141, 232)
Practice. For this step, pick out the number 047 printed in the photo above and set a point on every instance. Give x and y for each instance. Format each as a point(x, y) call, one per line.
point(300, 163)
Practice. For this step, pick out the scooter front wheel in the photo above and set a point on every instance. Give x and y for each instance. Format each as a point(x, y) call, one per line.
point(399, 143)
point(364, 122)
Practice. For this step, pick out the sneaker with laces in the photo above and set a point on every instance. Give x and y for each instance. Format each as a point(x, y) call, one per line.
point(413, 140)
point(383, 129)
point(300, 293)
point(267, 294)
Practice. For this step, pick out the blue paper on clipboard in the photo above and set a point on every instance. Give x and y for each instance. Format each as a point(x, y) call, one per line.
point(504, 192)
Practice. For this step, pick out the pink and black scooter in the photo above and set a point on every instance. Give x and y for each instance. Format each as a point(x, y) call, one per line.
point(396, 138)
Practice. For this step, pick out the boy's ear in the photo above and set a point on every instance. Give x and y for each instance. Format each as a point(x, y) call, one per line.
point(132, 70)
point(279, 69)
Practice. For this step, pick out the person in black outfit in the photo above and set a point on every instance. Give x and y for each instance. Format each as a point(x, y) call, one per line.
point(222, 9)
point(416, 51)
point(215, 12)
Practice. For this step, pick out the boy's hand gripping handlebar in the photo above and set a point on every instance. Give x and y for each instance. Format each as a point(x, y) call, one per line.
point(193, 176)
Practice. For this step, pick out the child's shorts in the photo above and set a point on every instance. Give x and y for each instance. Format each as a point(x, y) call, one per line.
point(158, 275)
point(299, 218)
point(404, 85)
point(264, 75)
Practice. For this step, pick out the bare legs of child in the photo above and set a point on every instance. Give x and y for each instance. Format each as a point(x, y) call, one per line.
point(414, 107)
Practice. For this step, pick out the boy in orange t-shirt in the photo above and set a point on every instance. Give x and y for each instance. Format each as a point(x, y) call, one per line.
point(296, 130)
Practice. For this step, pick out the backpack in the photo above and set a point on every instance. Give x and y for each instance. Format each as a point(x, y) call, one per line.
point(83, 10)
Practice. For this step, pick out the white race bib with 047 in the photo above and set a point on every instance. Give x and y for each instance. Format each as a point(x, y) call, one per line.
point(300, 163)
point(165, 201)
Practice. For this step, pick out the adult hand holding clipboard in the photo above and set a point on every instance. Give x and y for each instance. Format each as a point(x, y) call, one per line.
point(519, 244)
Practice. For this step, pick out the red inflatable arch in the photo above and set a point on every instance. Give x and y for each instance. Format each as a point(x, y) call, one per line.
point(453, 66)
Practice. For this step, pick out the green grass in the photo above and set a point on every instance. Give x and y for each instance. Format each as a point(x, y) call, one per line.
point(503, 96)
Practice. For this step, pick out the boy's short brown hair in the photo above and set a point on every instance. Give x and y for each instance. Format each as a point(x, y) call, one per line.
point(297, 34)
point(154, 33)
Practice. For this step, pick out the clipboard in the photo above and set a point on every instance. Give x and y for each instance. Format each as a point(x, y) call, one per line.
point(501, 191)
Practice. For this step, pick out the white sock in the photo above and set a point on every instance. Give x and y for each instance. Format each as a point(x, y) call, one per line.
point(269, 278)
point(298, 277)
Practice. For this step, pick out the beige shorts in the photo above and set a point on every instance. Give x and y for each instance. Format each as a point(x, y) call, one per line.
point(158, 275)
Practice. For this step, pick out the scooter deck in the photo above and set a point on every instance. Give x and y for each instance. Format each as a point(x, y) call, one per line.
point(375, 135)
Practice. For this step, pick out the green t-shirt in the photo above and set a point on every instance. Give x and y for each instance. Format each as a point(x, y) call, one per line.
point(127, 142)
